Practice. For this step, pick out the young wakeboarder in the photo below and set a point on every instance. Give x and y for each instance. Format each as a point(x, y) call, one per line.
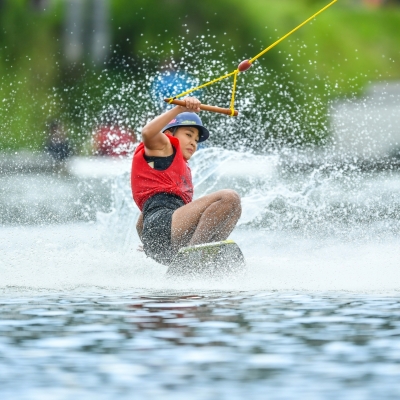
point(163, 190)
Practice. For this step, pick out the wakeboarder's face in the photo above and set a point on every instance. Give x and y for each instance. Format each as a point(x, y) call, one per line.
point(188, 137)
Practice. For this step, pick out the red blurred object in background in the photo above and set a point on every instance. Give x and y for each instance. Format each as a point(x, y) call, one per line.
point(111, 140)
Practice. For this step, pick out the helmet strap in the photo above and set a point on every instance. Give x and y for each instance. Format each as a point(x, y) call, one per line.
point(172, 130)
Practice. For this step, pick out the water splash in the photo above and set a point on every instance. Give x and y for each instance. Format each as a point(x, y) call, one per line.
point(313, 217)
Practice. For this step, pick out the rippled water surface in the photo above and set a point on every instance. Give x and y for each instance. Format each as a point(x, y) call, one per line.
point(207, 345)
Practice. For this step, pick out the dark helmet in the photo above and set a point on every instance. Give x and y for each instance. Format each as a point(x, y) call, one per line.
point(189, 119)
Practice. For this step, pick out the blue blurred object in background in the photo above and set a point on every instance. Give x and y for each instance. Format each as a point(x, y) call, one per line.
point(169, 83)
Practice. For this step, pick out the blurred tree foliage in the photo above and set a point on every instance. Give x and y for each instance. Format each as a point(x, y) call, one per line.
point(346, 47)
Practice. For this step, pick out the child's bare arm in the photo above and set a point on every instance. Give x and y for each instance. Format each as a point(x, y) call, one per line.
point(156, 143)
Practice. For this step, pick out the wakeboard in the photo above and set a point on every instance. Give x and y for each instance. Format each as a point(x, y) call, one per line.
point(209, 260)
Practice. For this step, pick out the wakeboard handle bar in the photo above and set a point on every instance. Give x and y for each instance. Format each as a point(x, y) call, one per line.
point(205, 107)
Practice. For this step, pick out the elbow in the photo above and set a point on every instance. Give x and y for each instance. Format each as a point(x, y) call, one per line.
point(148, 133)
point(145, 133)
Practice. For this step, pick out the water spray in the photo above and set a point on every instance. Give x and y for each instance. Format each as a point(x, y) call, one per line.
point(242, 67)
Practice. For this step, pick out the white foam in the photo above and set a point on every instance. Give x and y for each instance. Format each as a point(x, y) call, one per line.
point(71, 257)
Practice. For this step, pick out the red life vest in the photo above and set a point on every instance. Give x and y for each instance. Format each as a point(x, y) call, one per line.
point(147, 181)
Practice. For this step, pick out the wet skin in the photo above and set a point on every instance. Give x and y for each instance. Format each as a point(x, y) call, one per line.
point(188, 137)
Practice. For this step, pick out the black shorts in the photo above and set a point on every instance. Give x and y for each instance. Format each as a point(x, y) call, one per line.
point(157, 222)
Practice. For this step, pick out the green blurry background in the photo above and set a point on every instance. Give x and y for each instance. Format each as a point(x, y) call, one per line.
point(50, 66)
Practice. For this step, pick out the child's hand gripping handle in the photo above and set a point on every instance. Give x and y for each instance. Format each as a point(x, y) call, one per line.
point(204, 107)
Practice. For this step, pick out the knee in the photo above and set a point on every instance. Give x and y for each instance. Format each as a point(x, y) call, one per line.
point(232, 198)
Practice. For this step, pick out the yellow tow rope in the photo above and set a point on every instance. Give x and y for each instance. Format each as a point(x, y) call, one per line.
point(246, 64)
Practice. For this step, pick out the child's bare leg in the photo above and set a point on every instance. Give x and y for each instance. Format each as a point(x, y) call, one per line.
point(210, 218)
